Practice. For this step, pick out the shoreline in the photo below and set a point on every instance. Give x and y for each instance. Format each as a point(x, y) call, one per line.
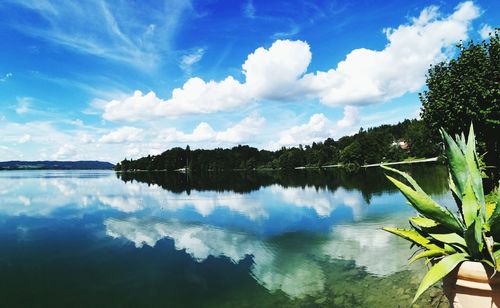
point(183, 170)
point(426, 160)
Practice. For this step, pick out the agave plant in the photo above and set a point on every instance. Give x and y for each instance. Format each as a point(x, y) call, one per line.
point(447, 238)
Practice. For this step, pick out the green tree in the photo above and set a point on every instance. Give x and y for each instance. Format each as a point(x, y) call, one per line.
point(464, 90)
point(352, 153)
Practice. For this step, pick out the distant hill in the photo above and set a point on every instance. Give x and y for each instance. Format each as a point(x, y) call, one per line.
point(16, 165)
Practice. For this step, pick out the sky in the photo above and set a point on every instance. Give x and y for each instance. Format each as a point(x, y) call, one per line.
point(108, 80)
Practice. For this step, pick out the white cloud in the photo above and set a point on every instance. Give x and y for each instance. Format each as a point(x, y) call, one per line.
point(242, 131)
point(280, 72)
point(46, 140)
point(24, 200)
point(294, 273)
point(119, 32)
point(363, 243)
point(295, 29)
point(6, 77)
point(273, 73)
point(196, 96)
point(65, 151)
point(317, 129)
point(368, 76)
point(247, 128)
point(485, 31)
point(206, 204)
point(321, 200)
point(122, 203)
point(313, 131)
point(189, 60)
point(24, 138)
point(351, 117)
point(23, 105)
point(202, 132)
point(215, 96)
point(123, 134)
point(86, 138)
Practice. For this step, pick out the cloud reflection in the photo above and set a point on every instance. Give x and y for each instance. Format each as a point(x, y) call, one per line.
point(47, 192)
point(370, 247)
point(292, 268)
point(293, 274)
point(321, 200)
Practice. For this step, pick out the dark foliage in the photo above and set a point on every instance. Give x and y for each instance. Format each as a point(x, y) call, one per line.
point(370, 182)
point(466, 90)
point(380, 144)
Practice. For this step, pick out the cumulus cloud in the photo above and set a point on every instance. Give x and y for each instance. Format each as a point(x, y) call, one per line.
point(247, 128)
point(202, 132)
point(318, 128)
point(351, 117)
point(123, 134)
point(313, 131)
point(485, 31)
point(196, 96)
point(273, 73)
point(242, 131)
point(279, 73)
point(367, 76)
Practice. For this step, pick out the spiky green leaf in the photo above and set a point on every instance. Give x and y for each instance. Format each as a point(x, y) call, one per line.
point(423, 222)
point(473, 165)
point(474, 238)
point(449, 238)
point(415, 237)
point(426, 254)
point(438, 271)
point(470, 205)
point(456, 162)
point(497, 261)
point(428, 207)
point(407, 177)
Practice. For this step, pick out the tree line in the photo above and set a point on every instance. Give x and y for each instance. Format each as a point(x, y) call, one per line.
point(385, 143)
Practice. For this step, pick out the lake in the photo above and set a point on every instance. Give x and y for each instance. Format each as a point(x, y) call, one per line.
point(254, 239)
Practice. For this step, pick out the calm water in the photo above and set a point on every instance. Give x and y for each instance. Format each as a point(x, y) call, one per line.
point(97, 238)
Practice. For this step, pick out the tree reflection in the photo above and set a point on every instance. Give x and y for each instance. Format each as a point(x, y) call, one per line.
point(369, 181)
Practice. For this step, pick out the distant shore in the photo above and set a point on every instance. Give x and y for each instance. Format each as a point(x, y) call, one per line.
point(56, 165)
point(404, 162)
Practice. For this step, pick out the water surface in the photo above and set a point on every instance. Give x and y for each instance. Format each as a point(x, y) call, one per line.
point(98, 238)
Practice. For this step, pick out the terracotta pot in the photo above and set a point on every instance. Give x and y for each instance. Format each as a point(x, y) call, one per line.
point(470, 286)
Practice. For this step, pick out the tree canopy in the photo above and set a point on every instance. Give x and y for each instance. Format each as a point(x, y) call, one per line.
point(466, 90)
point(380, 144)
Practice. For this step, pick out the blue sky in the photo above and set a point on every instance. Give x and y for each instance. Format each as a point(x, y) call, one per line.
point(114, 79)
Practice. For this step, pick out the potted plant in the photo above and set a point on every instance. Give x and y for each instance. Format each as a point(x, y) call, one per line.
point(462, 246)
